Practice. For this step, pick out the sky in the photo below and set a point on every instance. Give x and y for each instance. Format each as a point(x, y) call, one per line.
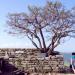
point(13, 6)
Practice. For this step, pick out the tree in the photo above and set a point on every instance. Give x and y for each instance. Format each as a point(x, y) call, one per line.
point(52, 22)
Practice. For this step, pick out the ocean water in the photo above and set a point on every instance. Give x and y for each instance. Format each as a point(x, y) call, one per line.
point(67, 58)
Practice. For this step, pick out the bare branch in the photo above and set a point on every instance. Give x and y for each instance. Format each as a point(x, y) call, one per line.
point(51, 21)
point(33, 42)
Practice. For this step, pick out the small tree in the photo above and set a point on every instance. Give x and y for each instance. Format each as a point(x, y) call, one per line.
point(51, 22)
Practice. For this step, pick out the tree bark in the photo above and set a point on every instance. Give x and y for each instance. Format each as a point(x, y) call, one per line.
point(43, 40)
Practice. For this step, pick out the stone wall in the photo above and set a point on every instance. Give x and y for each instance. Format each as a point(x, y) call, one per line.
point(33, 61)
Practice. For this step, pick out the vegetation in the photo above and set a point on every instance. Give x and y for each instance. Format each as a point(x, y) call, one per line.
point(44, 26)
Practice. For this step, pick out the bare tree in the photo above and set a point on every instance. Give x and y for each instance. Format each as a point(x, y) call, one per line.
point(52, 22)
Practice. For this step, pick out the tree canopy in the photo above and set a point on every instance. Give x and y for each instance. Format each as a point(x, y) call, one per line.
point(48, 24)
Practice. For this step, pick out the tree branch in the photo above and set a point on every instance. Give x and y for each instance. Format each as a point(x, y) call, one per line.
point(33, 42)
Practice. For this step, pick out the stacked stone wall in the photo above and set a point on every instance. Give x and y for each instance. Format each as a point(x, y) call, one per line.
point(30, 60)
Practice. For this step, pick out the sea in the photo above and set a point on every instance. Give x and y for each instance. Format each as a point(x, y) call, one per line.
point(67, 58)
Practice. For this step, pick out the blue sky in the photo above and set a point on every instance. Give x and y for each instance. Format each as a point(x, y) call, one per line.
point(12, 6)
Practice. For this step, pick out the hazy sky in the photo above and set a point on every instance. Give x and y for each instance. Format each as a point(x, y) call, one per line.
point(12, 6)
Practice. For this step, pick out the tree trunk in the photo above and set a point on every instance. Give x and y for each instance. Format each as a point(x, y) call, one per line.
point(50, 51)
point(43, 40)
